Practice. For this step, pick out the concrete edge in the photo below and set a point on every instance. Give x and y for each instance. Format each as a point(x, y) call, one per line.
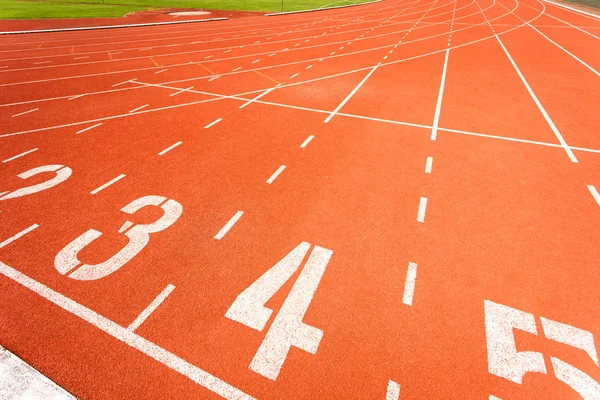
point(321, 9)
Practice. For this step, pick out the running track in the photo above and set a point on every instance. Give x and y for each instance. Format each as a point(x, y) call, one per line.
point(398, 200)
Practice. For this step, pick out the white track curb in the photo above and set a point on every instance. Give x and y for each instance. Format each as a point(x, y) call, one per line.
point(90, 28)
point(573, 9)
point(321, 9)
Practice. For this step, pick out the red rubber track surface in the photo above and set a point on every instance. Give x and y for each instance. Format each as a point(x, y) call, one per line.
point(405, 194)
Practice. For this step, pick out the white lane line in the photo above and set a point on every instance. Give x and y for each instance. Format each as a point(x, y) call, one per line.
point(271, 55)
point(151, 308)
point(107, 184)
point(213, 78)
point(227, 51)
point(257, 97)
point(229, 225)
point(81, 58)
point(558, 135)
point(139, 108)
point(275, 174)
point(26, 112)
point(422, 209)
point(42, 62)
point(88, 128)
point(207, 57)
point(76, 97)
point(307, 141)
point(350, 95)
point(169, 148)
point(133, 340)
point(309, 67)
point(181, 91)
point(393, 391)
point(161, 71)
point(216, 121)
point(237, 69)
point(409, 284)
point(438, 106)
point(255, 61)
point(18, 235)
point(293, 76)
point(428, 165)
point(122, 83)
point(4, 66)
point(594, 193)
point(20, 155)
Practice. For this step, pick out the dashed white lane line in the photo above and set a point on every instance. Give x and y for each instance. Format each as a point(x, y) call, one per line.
point(161, 71)
point(171, 147)
point(122, 83)
point(229, 225)
point(20, 155)
point(255, 61)
point(25, 112)
point(227, 51)
point(81, 58)
point(307, 141)
point(237, 69)
point(594, 193)
point(351, 94)
point(88, 128)
point(151, 308)
point(393, 391)
point(207, 57)
point(309, 67)
point(492, 397)
point(139, 108)
point(213, 78)
point(409, 284)
point(271, 55)
point(428, 165)
point(216, 121)
point(257, 97)
point(181, 91)
point(42, 62)
point(107, 184)
point(293, 76)
point(18, 235)
point(275, 174)
point(422, 209)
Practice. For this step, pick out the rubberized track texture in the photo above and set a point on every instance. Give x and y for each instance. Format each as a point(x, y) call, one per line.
point(398, 200)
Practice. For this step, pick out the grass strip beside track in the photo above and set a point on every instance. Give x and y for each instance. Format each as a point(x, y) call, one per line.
point(34, 9)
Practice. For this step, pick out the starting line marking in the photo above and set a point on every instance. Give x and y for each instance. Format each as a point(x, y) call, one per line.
point(169, 148)
point(409, 285)
point(181, 91)
point(20, 155)
point(133, 340)
point(594, 193)
point(422, 209)
point(216, 121)
point(18, 235)
point(229, 225)
point(107, 184)
point(275, 174)
point(393, 391)
point(151, 308)
point(307, 141)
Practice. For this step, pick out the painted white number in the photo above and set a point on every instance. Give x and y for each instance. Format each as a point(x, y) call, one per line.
point(505, 361)
point(287, 329)
point(139, 235)
point(62, 174)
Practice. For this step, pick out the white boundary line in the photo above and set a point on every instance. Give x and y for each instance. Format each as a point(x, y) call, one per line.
point(151, 308)
point(321, 9)
point(92, 28)
point(133, 340)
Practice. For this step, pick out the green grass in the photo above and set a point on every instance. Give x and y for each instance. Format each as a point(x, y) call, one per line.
point(588, 3)
point(29, 9)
